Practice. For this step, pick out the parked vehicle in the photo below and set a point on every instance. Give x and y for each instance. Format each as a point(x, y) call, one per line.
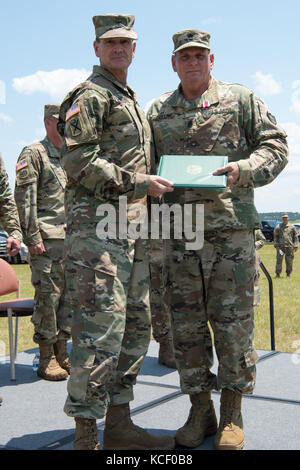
point(298, 230)
point(21, 257)
point(267, 228)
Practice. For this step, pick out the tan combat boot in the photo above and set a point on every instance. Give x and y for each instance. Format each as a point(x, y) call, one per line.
point(230, 435)
point(49, 369)
point(60, 351)
point(166, 354)
point(120, 433)
point(202, 421)
point(86, 434)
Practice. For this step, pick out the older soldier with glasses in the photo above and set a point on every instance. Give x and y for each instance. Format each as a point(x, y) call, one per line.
point(204, 116)
point(106, 155)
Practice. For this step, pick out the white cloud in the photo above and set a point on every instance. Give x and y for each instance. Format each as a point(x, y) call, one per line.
point(296, 97)
point(5, 118)
point(148, 104)
point(266, 84)
point(212, 20)
point(55, 83)
point(293, 132)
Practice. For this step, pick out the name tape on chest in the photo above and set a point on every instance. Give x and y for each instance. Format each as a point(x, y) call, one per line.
point(75, 109)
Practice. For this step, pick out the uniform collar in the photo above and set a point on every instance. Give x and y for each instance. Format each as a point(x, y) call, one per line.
point(52, 150)
point(99, 70)
point(209, 97)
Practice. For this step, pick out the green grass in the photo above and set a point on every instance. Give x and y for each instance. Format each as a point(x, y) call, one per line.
point(286, 307)
point(25, 326)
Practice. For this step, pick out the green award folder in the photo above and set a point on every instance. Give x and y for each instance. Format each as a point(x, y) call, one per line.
point(193, 171)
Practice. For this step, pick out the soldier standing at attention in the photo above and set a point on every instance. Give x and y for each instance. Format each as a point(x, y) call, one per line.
point(204, 116)
point(39, 194)
point(9, 218)
point(106, 155)
point(286, 243)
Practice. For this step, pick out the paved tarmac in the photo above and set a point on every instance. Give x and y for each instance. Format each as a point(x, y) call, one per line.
point(32, 416)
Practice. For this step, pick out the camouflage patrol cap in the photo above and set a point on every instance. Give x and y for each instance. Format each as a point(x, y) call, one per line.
point(51, 110)
point(114, 26)
point(190, 38)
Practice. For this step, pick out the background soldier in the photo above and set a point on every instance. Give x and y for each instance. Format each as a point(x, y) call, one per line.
point(286, 243)
point(39, 194)
point(106, 154)
point(208, 117)
point(9, 219)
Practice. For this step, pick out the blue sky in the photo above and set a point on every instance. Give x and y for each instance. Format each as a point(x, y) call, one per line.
point(46, 48)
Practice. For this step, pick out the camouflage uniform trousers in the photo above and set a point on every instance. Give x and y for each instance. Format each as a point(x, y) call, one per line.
point(256, 294)
point(215, 285)
point(288, 253)
point(160, 310)
point(50, 318)
point(111, 327)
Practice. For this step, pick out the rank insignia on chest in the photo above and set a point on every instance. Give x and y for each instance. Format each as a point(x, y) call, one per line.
point(22, 164)
point(75, 109)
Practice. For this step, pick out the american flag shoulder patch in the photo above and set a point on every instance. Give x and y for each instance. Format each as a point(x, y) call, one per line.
point(75, 109)
point(22, 164)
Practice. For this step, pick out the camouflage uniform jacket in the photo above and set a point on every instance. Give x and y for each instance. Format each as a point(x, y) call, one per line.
point(39, 192)
point(285, 236)
point(226, 120)
point(106, 151)
point(9, 218)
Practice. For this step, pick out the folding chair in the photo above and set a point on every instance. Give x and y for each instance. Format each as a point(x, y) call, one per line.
point(19, 307)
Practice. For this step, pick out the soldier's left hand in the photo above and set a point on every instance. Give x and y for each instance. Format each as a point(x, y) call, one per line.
point(232, 170)
point(13, 246)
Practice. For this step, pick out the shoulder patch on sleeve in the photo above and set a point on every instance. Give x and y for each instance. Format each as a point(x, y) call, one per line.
point(75, 109)
point(22, 164)
point(25, 172)
point(80, 126)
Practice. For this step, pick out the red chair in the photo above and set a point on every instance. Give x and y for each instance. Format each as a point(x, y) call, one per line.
point(19, 307)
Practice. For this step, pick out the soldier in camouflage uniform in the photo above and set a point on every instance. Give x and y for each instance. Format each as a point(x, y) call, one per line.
point(9, 218)
point(286, 243)
point(215, 284)
point(106, 155)
point(259, 240)
point(39, 194)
